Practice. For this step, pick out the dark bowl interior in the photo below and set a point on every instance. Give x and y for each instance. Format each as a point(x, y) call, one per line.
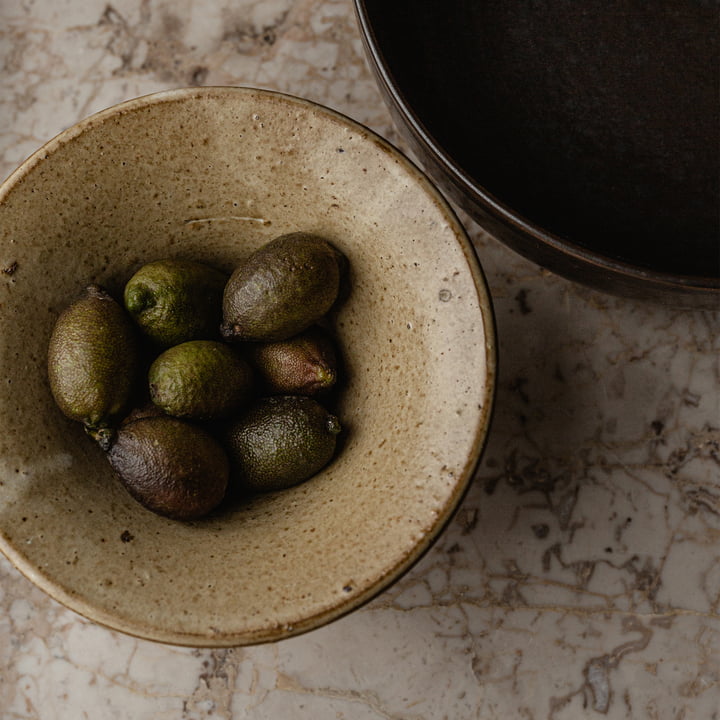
point(589, 129)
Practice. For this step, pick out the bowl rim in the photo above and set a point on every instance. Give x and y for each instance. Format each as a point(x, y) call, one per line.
point(145, 630)
point(529, 239)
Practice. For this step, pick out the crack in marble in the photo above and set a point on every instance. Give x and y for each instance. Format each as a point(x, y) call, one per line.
point(597, 690)
point(216, 684)
point(367, 698)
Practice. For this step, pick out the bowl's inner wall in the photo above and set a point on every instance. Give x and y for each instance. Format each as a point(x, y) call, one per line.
point(597, 121)
point(213, 178)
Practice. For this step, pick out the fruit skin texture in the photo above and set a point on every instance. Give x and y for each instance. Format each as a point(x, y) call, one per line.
point(170, 466)
point(93, 360)
point(280, 441)
point(175, 300)
point(200, 379)
point(284, 287)
point(305, 364)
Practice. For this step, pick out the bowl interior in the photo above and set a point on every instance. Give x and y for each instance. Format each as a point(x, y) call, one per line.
point(211, 174)
point(593, 122)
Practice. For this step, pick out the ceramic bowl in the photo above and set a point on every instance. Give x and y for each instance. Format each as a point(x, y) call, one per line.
point(211, 174)
point(583, 134)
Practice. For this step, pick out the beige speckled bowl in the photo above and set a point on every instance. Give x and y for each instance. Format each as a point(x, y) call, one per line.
point(211, 174)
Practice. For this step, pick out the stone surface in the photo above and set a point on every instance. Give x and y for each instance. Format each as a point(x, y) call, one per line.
point(580, 577)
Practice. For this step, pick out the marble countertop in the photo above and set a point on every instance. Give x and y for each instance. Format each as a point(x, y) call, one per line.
point(580, 577)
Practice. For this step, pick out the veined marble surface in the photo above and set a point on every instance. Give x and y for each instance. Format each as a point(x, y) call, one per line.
point(580, 577)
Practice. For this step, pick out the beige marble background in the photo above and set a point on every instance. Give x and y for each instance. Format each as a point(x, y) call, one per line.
point(581, 576)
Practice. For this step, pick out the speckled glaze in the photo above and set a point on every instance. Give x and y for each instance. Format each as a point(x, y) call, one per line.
point(211, 174)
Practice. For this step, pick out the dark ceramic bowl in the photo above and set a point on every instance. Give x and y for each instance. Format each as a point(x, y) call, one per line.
point(585, 135)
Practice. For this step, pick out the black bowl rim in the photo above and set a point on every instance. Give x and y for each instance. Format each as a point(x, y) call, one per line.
point(556, 253)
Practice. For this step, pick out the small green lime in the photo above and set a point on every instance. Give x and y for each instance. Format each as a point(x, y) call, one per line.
point(174, 301)
point(283, 288)
point(93, 360)
point(170, 466)
point(281, 441)
point(306, 364)
point(201, 379)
